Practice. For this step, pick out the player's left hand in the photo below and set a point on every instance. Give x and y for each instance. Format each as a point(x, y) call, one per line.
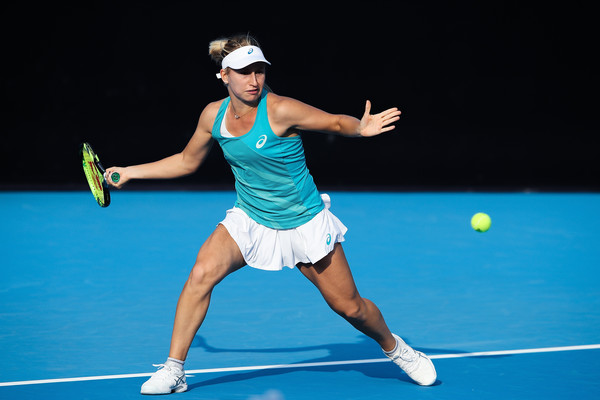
point(371, 125)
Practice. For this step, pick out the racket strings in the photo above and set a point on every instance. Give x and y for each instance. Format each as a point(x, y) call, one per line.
point(94, 175)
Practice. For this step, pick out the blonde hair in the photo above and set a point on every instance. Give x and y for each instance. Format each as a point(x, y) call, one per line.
point(218, 49)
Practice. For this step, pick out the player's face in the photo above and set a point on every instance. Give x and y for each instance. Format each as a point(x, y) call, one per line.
point(247, 83)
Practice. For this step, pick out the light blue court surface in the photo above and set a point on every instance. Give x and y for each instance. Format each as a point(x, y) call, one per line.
point(90, 292)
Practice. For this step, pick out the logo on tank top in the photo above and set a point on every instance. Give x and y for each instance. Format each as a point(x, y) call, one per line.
point(328, 241)
point(261, 141)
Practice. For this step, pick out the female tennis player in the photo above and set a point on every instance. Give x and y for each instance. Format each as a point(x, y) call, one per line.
point(279, 219)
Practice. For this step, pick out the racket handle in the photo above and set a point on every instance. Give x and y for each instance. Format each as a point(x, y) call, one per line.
point(115, 177)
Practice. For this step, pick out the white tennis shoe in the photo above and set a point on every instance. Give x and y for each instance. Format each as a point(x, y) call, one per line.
point(165, 381)
point(416, 364)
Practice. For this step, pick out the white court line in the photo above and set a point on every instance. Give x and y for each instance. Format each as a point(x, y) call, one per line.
point(305, 365)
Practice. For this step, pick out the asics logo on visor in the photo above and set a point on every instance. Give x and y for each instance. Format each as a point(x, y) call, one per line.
point(250, 51)
point(261, 141)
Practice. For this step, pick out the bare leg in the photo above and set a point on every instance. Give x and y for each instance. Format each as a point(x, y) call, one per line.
point(218, 257)
point(333, 278)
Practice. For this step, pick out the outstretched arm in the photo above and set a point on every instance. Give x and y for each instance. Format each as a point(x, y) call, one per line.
point(184, 163)
point(292, 113)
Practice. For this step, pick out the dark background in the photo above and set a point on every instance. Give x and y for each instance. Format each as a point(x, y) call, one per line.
point(495, 95)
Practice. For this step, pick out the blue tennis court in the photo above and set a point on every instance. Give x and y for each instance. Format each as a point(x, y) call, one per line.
point(88, 295)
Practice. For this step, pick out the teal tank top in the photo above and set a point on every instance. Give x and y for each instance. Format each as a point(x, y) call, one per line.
point(273, 184)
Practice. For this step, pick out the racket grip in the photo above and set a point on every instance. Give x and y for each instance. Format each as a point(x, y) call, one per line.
point(115, 177)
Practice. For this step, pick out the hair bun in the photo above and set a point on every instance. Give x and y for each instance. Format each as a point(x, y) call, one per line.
point(218, 49)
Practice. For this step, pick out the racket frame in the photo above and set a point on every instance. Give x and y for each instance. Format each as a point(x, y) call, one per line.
point(94, 173)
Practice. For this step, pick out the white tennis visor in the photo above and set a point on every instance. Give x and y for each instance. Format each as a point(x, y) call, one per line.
point(242, 57)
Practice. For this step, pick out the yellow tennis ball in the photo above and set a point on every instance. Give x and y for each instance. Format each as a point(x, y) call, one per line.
point(481, 222)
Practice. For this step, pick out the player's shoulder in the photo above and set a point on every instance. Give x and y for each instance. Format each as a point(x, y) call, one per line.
point(278, 100)
point(212, 108)
point(209, 114)
point(281, 105)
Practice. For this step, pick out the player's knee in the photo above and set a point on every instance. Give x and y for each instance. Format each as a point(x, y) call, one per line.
point(353, 311)
point(203, 274)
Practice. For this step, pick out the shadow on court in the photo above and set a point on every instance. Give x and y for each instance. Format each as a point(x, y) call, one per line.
point(365, 349)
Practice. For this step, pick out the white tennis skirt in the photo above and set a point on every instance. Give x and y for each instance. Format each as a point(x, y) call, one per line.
point(272, 249)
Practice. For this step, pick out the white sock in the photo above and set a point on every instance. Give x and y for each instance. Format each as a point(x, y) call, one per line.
point(391, 352)
point(174, 363)
point(399, 342)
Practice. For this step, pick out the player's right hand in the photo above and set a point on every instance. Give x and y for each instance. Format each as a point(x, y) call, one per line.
point(122, 176)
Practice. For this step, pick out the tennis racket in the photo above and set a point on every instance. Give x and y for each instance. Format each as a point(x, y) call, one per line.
point(95, 175)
